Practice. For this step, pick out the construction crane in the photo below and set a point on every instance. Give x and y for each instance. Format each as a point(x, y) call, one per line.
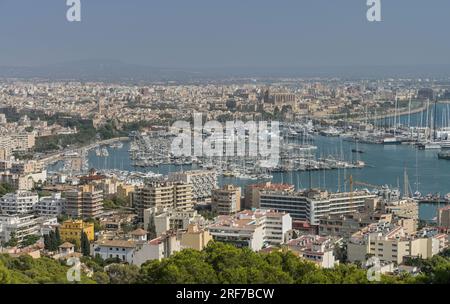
point(359, 183)
point(350, 181)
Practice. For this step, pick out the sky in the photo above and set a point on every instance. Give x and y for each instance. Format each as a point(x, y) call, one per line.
point(226, 33)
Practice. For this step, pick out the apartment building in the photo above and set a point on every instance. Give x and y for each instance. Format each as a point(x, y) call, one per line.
point(26, 167)
point(53, 205)
point(345, 225)
point(317, 249)
point(277, 226)
point(203, 183)
point(390, 243)
point(162, 195)
point(22, 226)
point(22, 142)
point(172, 219)
point(443, 218)
point(5, 152)
point(84, 202)
point(403, 209)
point(252, 192)
point(22, 182)
point(20, 202)
point(254, 229)
point(226, 200)
point(137, 252)
point(313, 204)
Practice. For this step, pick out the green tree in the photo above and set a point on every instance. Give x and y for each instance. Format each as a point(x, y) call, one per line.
point(85, 244)
point(101, 278)
point(5, 275)
point(13, 241)
point(185, 267)
point(25, 269)
point(52, 242)
point(122, 274)
point(58, 240)
point(30, 240)
point(47, 242)
point(5, 188)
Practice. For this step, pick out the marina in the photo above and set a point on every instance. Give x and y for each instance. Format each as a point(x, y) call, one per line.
point(391, 160)
point(308, 159)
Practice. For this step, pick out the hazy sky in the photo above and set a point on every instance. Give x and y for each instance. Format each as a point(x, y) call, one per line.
point(226, 33)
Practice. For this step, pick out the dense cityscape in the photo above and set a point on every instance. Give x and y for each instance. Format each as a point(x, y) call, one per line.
point(224, 151)
point(87, 173)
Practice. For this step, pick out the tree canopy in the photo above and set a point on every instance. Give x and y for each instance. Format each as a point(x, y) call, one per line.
point(218, 263)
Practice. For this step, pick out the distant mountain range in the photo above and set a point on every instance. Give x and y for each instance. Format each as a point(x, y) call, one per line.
point(116, 71)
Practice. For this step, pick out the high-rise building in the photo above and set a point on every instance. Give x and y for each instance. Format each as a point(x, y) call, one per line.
point(226, 200)
point(162, 195)
point(203, 182)
point(312, 205)
point(252, 192)
point(444, 217)
point(84, 202)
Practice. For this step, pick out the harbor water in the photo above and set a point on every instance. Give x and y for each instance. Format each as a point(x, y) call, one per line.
point(386, 165)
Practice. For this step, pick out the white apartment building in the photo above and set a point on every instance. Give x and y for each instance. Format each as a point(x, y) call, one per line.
point(278, 224)
point(51, 205)
point(254, 229)
point(172, 219)
point(312, 205)
point(20, 202)
point(317, 249)
point(390, 243)
point(21, 225)
point(137, 252)
point(202, 181)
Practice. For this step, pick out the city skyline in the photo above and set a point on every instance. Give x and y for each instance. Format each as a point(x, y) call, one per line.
point(232, 143)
